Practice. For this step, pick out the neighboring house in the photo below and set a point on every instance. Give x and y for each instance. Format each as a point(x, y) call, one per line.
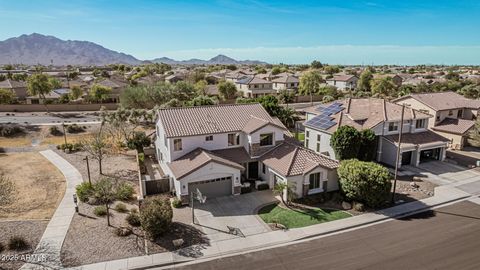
point(253, 87)
point(287, 82)
point(19, 88)
point(117, 87)
point(397, 79)
point(51, 97)
point(454, 114)
point(343, 82)
point(418, 143)
point(219, 149)
point(234, 76)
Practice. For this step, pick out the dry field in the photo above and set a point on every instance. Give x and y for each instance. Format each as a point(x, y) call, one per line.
point(40, 186)
point(40, 136)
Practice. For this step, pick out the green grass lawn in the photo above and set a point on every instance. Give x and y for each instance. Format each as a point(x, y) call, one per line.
point(299, 218)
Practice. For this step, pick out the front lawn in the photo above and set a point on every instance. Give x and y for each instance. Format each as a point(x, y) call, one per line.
point(296, 218)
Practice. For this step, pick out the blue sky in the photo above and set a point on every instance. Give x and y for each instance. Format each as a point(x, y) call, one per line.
point(337, 32)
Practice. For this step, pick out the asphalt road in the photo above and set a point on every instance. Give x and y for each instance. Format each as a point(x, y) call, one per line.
point(41, 118)
point(447, 238)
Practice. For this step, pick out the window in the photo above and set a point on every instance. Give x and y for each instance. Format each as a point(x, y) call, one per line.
point(420, 123)
point(263, 168)
point(460, 114)
point(314, 181)
point(392, 126)
point(318, 137)
point(318, 147)
point(177, 144)
point(437, 118)
point(233, 139)
point(306, 143)
point(266, 139)
point(209, 138)
point(450, 113)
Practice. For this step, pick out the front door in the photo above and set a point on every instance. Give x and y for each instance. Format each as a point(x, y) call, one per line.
point(253, 170)
point(406, 158)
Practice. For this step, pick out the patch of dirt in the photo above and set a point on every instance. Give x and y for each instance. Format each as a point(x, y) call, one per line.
point(31, 231)
point(40, 186)
point(408, 193)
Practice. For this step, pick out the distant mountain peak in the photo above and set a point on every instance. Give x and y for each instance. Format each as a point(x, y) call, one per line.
point(220, 59)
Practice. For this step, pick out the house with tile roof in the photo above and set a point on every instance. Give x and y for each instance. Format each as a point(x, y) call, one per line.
point(453, 115)
point(253, 87)
point(419, 144)
point(286, 82)
point(343, 82)
point(220, 149)
point(19, 88)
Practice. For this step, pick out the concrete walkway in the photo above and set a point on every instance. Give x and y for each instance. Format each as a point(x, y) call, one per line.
point(51, 242)
point(443, 195)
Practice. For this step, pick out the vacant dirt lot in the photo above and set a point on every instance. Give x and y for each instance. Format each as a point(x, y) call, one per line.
point(40, 186)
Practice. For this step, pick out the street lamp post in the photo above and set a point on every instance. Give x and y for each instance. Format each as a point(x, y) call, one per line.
point(88, 170)
point(398, 154)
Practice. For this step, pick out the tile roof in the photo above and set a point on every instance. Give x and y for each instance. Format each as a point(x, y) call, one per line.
point(289, 160)
point(444, 100)
point(237, 154)
point(190, 121)
point(10, 84)
point(456, 126)
point(286, 79)
point(196, 159)
point(252, 80)
point(364, 113)
point(416, 139)
point(342, 78)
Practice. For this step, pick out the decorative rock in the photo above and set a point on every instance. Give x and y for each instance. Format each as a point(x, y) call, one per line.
point(414, 185)
point(178, 242)
point(358, 207)
point(346, 205)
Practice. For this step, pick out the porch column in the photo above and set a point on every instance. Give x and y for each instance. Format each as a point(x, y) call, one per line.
point(443, 153)
point(417, 157)
point(379, 149)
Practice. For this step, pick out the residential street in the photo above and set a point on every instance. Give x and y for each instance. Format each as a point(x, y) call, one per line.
point(447, 238)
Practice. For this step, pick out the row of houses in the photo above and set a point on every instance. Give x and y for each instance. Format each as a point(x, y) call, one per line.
point(221, 149)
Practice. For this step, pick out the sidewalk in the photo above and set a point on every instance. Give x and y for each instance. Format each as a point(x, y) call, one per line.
point(51, 242)
point(443, 195)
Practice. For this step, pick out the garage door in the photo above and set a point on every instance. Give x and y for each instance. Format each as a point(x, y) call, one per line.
point(430, 154)
point(214, 187)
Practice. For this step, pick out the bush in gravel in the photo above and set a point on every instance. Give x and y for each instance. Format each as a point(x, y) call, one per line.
point(100, 210)
point(71, 147)
point(10, 130)
point(122, 231)
point(176, 202)
point(121, 208)
point(17, 243)
point(358, 207)
point(156, 216)
point(74, 128)
point(124, 191)
point(133, 219)
point(84, 191)
point(366, 182)
point(55, 131)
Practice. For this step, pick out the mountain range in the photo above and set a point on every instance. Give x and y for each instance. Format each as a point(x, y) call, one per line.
point(46, 50)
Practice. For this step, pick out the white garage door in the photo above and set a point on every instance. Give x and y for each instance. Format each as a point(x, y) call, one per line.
point(214, 187)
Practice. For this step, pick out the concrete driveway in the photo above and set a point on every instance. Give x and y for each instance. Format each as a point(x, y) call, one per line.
point(216, 214)
point(444, 173)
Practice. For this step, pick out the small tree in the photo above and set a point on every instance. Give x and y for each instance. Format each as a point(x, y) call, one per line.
point(7, 191)
point(280, 189)
point(99, 93)
point(156, 216)
point(368, 147)
point(345, 142)
point(316, 64)
point(286, 96)
point(75, 93)
point(202, 101)
point(97, 146)
point(138, 141)
point(39, 84)
point(105, 192)
point(201, 87)
point(383, 87)
point(6, 96)
point(310, 84)
point(366, 182)
point(364, 83)
point(227, 90)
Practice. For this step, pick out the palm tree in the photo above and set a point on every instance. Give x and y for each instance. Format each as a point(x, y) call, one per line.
point(288, 116)
point(282, 187)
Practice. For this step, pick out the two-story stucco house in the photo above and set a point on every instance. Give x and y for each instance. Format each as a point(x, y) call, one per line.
point(287, 82)
point(343, 82)
point(217, 149)
point(254, 87)
point(454, 114)
point(418, 143)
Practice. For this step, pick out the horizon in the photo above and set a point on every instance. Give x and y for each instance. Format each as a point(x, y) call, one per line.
point(334, 32)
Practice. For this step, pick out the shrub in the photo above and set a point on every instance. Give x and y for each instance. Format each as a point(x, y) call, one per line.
point(55, 131)
point(121, 208)
point(71, 147)
point(365, 182)
point(156, 216)
point(358, 207)
point(176, 202)
point(263, 186)
point(100, 210)
point(17, 243)
point(138, 141)
point(133, 219)
point(124, 191)
point(344, 142)
point(84, 191)
point(122, 231)
point(10, 130)
point(74, 128)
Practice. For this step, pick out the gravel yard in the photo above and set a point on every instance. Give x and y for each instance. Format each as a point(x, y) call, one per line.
point(31, 231)
point(90, 240)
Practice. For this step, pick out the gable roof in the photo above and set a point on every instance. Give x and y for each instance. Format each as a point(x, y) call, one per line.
point(455, 126)
point(342, 78)
point(252, 80)
point(416, 139)
point(11, 84)
point(286, 79)
point(365, 113)
point(289, 160)
point(195, 160)
point(191, 121)
point(443, 100)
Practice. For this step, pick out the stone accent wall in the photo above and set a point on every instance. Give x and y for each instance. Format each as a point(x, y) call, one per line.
point(257, 150)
